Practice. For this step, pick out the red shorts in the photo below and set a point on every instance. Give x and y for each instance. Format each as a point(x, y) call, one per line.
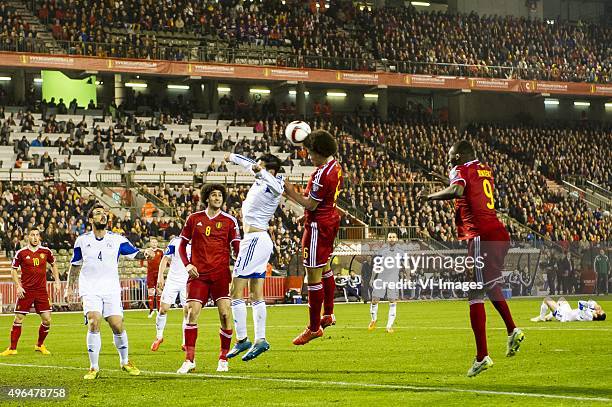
point(202, 288)
point(318, 242)
point(39, 298)
point(152, 280)
point(491, 248)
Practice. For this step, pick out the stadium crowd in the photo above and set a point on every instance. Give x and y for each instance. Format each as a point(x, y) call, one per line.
point(557, 151)
point(346, 37)
point(522, 191)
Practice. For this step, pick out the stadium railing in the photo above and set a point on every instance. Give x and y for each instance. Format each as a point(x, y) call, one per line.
point(214, 53)
point(133, 294)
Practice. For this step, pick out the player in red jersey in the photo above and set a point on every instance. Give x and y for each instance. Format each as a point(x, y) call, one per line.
point(211, 233)
point(32, 289)
point(322, 222)
point(152, 272)
point(471, 186)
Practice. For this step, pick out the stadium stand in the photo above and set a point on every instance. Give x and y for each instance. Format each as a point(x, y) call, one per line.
point(272, 33)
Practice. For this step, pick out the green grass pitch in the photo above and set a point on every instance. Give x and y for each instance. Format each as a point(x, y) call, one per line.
point(424, 361)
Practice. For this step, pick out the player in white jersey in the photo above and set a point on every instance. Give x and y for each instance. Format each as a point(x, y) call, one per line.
point(173, 286)
point(562, 311)
point(96, 263)
point(384, 283)
point(258, 208)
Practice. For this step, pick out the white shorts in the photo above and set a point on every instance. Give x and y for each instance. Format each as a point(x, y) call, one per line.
point(107, 305)
point(171, 290)
point(563, 311)
point(380, 293)
point(255, 251)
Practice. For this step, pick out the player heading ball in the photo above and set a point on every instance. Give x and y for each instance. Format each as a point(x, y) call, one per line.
point(321, 224)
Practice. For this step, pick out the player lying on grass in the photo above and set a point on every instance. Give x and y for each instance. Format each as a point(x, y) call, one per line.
point(32, 290)
point(171, 287)
point(95, 263)
point(256, 247)
point(562, 311)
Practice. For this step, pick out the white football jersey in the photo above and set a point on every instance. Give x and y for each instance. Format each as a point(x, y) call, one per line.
point(565, 313)
point(177, 272)
point(263, 197)
point(389, 274)
point(99, 259)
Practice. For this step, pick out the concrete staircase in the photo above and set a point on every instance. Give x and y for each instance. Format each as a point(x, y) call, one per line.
point(42, 32)
point(5, 268)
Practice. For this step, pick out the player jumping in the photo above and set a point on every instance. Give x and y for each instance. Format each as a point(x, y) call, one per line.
point(211, 232)
point(152, 272)
point(96, 264)
point(32, 290)
point(471, 186)
point(322, 222)
point(562, 311)
point(258, 208)
point(171, 287)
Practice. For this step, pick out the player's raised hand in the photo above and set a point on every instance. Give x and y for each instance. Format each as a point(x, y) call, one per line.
point(192, 270)
point(226, 157)
point(421, 196)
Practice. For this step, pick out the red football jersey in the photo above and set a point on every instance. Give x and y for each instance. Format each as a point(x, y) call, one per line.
point(211, 239)
point(153, 263)
point(33, 266)
point(475, 210)
point(324, 186)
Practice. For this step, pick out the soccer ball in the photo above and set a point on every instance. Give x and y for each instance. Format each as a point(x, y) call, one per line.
point(297, 131)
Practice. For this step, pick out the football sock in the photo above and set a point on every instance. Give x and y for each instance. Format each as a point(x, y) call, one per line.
point(374, 311)
point(543, 310)
point(315, 302)
point(225, 335)
point(43, 331)
point(392, 311)
point(259, 319)
point(478, 319)
point(239, 310)
point(500, 304)
point(15, 334)
point(94, 343)
point(191, 335)
point(151, 303)
point(158, 302)
point(121, 343)
point(329, 288)
point(160, 324)
point(185, 322)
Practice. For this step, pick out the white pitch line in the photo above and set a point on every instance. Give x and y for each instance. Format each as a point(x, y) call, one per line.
point(450, 328)
point(337, 383)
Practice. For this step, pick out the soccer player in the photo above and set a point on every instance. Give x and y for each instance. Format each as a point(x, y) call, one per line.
point(258, 208)
point(211, 233)
point(32, 290)
point(562, 311)
point(96, 264)
point(175, 285)
point(380, 285)
point(152, 272)
point(322, 222)
point(471, 186)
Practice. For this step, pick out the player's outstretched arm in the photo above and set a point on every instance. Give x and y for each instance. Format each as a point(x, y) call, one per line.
point(56, 277)
point(162, 269)
point(306, 201)
point(451, 192)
